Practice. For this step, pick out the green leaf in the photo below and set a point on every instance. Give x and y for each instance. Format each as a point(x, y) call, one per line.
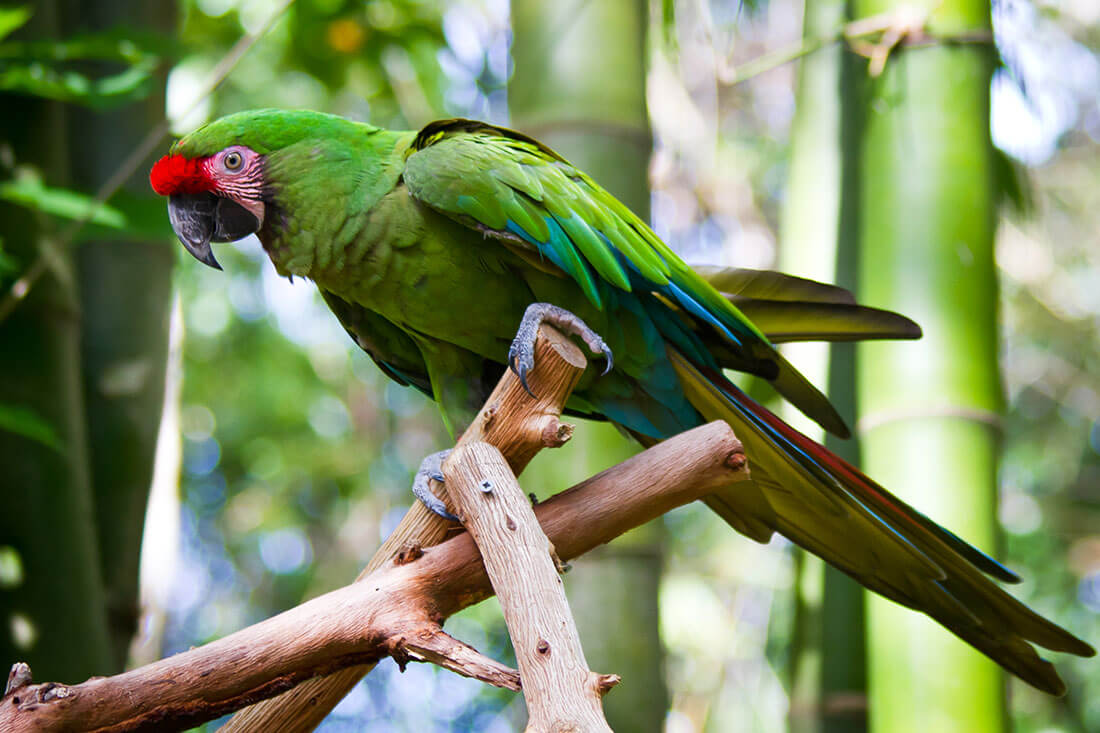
point(29, 191)
point(1012, 184)
point(40, 80)
point(41, 68)
point(116, 44)
point(24, 421)
point(8, 264)
point(12, 18)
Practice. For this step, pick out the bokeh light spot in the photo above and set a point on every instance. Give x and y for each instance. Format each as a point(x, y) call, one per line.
point(11, 567)
point(285, 550)
point(23, 631)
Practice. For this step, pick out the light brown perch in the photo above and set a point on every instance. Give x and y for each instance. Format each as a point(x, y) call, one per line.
point(511, 421)
point(396, 611)
point(561, 693)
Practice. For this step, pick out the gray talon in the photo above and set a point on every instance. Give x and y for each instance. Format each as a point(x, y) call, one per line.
point(432, 468)
point(521, 354)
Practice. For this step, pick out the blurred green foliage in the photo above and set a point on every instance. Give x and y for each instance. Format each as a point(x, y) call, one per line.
point(125, 59)
point(28, 423)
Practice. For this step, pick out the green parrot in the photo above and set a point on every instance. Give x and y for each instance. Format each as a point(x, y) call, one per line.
point(441, 250)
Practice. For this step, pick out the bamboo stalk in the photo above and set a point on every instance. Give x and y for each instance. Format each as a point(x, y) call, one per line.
point(927, 227)
point(580, 87)
point(818, 240)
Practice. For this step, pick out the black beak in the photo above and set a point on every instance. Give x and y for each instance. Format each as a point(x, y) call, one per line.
point(201, 218)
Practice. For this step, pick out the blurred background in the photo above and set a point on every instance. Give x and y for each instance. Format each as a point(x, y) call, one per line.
point(185, 452)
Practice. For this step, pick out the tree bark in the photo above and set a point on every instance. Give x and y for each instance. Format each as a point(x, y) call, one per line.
point(561, 692)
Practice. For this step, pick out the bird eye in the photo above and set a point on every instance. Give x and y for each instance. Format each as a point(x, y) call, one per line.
point(233, 160)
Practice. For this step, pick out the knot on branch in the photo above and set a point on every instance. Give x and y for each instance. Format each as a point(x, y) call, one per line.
point(556, 433)
point(736, 459)
point(22, 694)
point(489, 414)
point(19, 676)
point(604, 683)
point(409, 552)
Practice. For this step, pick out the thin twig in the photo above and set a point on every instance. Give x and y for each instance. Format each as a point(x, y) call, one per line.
point(901, 27)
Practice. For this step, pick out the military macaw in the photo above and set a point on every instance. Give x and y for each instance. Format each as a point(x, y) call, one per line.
point(433, 247)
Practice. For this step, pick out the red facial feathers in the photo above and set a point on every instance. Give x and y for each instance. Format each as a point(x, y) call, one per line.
point(174, 174)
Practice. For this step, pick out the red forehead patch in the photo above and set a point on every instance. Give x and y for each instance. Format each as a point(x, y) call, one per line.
point(175, 174)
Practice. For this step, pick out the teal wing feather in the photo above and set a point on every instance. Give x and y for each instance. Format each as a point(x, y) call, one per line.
point(517, 190)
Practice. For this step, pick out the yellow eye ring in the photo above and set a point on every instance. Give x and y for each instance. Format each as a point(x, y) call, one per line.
point(233, 160)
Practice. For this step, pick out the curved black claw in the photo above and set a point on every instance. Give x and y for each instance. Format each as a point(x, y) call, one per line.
point(521, 354)
point(521, 363)
point(432, 468)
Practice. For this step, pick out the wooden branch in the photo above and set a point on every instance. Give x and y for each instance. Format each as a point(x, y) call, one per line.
point(560, 691)
point(396, 611)
point(511, 421)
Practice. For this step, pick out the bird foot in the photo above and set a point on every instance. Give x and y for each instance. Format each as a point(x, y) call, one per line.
point(521, 355)
point(432, 468)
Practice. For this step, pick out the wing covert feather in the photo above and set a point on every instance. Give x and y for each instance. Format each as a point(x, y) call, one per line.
point(509, 186)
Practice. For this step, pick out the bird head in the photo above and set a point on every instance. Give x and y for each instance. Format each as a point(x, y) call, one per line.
point(216, 178)
point(214, 198)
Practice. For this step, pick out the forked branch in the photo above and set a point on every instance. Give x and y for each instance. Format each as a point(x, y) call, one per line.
point(400, 601)
point(397, 610)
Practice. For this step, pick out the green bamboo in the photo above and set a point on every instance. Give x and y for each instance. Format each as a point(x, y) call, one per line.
point(931, 408)
point(817, 240)
point(579, 86)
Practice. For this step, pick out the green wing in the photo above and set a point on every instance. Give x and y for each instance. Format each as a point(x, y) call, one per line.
point(391, 348)
point(513, 188)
